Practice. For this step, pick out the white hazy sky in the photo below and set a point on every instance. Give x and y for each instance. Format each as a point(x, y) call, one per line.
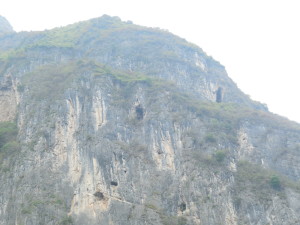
point(258, 41)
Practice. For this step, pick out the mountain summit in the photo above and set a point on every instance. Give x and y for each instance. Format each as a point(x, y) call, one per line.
point(5, 26)
point(106, 122)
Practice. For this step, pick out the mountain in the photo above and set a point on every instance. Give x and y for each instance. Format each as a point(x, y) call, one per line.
point(107, 122)
point(5, 26)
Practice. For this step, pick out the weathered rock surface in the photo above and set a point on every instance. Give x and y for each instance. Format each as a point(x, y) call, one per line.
point(121, 124)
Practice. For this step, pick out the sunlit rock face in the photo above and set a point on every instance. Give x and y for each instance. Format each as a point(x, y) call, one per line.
point(5, 26)
point(106, 122)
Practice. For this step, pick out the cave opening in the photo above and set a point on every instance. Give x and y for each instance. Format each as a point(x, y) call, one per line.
point(99, 195)
point(114, 183)
point(219, 95)
point(139, 112)
point(182, 206)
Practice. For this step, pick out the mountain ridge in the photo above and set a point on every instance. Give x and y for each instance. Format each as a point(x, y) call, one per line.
point(110, 31)
point(107, 122)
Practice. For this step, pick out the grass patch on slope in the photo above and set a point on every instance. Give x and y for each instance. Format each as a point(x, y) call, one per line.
point(124, 76)
point(63, 36)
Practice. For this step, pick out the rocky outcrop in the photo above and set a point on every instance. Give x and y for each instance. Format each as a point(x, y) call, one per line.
point(8, 98)
point(109, 136)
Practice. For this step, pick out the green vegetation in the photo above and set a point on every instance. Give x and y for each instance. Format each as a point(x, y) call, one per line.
point(66, 221)
point(20, 88)
point(8, 140)
point(220, 155)
point(46, 204)
point(262, 183)
point(219, 122)
point(125, 77)
point(26, 211)
point(8, 132)
point(107, 30)
point(11, 54)
point(64, 36)
point(134, 149)
point(256, 177)
point(151, 206)
point(51, 81)
point(173, 220)
point(228, 116)
point(167, 219)
point(215, 161)
point(107, 34)
point(209, 138)
point(275, 182)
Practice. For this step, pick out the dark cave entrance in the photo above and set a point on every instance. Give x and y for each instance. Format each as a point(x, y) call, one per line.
point(219, 95)
point(139, 112)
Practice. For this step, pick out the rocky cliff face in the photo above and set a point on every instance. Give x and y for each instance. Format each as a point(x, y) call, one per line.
point(106, 122)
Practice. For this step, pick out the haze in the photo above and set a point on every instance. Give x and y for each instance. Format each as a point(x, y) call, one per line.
point(257, 41)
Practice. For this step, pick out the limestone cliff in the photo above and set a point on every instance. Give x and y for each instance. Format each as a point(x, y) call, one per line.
point(106, 122)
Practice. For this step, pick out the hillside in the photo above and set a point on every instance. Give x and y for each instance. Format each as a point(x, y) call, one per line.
point(107, 122)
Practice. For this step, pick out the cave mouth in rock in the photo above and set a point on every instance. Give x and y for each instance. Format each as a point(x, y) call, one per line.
point(219, 95)
point(139, 112)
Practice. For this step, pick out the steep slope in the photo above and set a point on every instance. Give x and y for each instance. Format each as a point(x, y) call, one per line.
point(106, 122)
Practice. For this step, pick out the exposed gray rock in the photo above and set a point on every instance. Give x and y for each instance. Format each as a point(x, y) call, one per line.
point(124, 125)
